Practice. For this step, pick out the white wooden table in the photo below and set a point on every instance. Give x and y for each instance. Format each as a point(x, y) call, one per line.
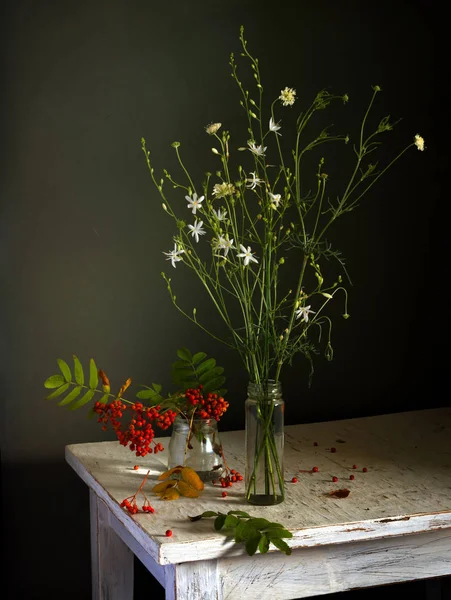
point(394, 526)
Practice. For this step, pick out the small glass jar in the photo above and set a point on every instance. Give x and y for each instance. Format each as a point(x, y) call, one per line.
point(264, 443)
point(199, 449)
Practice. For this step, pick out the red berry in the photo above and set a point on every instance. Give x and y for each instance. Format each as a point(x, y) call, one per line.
point(168, 533)
point(364, 469)
point(352, 477)
point(333, 449)
point(136, 467)
point(224, 494)
point(315, 443)
point(213, 481)
point(294, 480)
point(335, 479)
point(315, 470)
point(354, 466)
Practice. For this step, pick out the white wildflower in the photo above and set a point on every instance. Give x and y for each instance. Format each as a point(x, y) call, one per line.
point(247, 254)
point(419, 142)
point(196, 229)
point(304, 311)
point(253, 181)
point(194, 202)
point(223, 243)
point(275, 200)
point(274, 126)
point(288, 96)
point(220, 214)
point(212, 128)
point(174, 255)
point(258, 150)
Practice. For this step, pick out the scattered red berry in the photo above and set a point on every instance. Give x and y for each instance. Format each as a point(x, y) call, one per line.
point(354, 466)
point(351, 477)
point(168, 533)
point(364, 469)
point(224, 494)
point(333, 449)
point(315, 443)
point(213, 481)
point(315, 470)
point(335, 479)
point(136, 467)
point(294, 480)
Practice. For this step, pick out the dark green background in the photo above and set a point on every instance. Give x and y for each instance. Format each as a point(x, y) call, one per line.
point(82, 229)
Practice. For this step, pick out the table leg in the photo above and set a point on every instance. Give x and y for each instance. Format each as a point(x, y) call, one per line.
point(111, 560)
point(198, 580)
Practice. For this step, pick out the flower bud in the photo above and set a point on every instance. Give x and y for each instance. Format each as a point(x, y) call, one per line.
point(214, 151)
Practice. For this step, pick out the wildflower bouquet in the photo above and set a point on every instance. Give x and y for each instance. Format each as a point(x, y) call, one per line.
point(236, 229)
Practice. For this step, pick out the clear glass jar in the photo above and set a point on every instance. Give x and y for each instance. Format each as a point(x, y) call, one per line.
point(264, 443)
point(201, 449)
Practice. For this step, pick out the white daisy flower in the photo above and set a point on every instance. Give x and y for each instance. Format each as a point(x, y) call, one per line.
point(288, 96)
point(274, 126)
point(258, 150)
point(419, 142)
point(196, 229)
point(174, 255)
point(247, 254)
point(304, 311)
point(253, 181)
point(223, 243)
point(220, 214)
point(275, 199)
point(194, 202)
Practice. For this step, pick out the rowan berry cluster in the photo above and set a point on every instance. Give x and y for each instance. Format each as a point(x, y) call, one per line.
point(232, 476)
point(210, 406)
point(138, 434)
point(130, 503)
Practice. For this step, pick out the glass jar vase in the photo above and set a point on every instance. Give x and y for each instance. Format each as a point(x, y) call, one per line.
point(264, 443)
point(199, 448)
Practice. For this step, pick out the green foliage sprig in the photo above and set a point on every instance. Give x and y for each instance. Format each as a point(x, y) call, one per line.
point(257, 533)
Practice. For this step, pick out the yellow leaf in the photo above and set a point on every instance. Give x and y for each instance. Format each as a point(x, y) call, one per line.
point(192, 478)
point(170, 494)
point(163, 486)
point(167, 474)
point(187, 490)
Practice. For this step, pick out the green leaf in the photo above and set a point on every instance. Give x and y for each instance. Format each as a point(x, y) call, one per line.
point(231, 521)
point(278, 532)
point(259, 522)
point(214, 384)
point(221, 392)
point(65, 370)
point(206, 514)
point(59, 391)
point(211, 374)
point(281, 545)
point(179, 364)
point(83, 400)
point(78, 368)
point(147, 395)
point(104, 399)
point(54, 381)
point(219, 522)
point(239, 513)
point(263, 545)
point(206, 366)
point(181, 374)
point(68, 399)
point(198, 357)
point(252, 544)
point(157, 387)
point(184, 354)
point(93, 375)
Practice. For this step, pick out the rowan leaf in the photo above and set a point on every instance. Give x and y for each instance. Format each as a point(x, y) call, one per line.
point(263, 544)
point(211, 374)
point(59, 391)
point(74, 394)
point(206, 366)
point(206, 514)
point(219, 522)
point(184, 354)
point(281, 545)
point(187, 490)
point(213, 384)
point(170, 494)
point(54, 381)
point(252, 544)
point(192, 478)
point(167, 474)
point(83, 400)
point(231, 521)
point(163, 486)
point(93, 375)
point(65, 370)
point(198, 357)
point(78, 368)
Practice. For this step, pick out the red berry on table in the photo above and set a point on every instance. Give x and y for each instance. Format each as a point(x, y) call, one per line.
point(294, 480)
point(354, 466)
point(315, 470)
point(136, 467)
point(168, 533)
point(364, 469)
point(224, 494)
point(333, 449)
point(351, 477)
point(315, 443)
point(335, 479)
